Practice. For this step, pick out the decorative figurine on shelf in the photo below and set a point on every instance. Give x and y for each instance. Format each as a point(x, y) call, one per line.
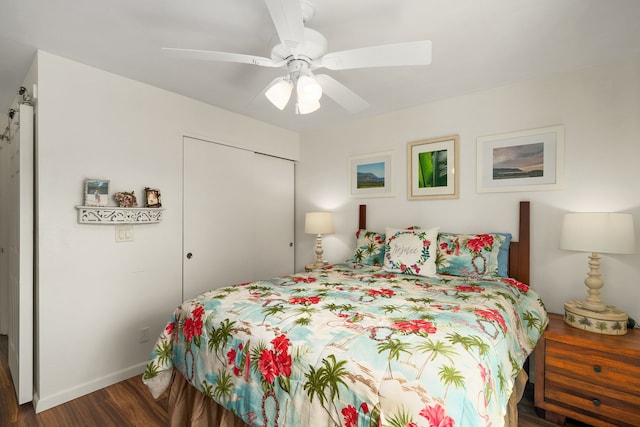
point(126, 200)
point(153, 197)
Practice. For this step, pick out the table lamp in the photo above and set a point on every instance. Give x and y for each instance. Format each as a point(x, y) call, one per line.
point(318, 223)
point(597, 232)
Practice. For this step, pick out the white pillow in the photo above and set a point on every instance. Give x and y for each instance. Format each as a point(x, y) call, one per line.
point(411, 251)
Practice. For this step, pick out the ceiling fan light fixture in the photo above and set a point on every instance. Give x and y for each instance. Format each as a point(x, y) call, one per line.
point(306, 108)
point(279, 93)
point(308, 89)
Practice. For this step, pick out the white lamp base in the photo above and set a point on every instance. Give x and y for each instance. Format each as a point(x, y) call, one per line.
point(311, 267)
point(611, 321)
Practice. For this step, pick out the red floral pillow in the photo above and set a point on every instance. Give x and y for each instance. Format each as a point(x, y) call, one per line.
point(474, 255)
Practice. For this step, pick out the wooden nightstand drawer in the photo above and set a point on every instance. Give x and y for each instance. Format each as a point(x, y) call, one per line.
point(593, 366)
point(589, 377)
point(594, 400)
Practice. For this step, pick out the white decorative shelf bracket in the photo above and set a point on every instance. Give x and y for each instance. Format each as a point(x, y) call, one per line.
point(116, 215)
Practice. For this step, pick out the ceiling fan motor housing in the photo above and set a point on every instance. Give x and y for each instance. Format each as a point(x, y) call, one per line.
point(315, 47)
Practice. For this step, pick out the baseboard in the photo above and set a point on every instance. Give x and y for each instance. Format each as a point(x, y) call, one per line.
point(48, 402)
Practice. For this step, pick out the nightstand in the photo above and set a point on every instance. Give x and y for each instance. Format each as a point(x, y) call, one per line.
point(589, 377)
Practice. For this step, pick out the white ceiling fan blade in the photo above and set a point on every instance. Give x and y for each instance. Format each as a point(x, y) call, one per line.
point(287, 18)
point(390, 55)
point(344, 96)
point(208, 55)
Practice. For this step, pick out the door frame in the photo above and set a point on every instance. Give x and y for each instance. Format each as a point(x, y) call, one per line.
point(20, 218)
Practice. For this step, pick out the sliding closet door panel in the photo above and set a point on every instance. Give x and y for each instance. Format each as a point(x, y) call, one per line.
point(273, 216)
point(218, 218)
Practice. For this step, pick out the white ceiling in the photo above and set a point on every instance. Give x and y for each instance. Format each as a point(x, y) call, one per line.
point(477, 44)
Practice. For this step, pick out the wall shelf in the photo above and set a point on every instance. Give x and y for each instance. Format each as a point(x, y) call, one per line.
point(117, 215)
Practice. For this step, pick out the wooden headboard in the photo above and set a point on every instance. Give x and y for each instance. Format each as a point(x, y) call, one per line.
point(519, 251)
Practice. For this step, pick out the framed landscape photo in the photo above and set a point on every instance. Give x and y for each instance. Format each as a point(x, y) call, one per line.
point(370, 175)
point(433, 168)
point(96, 192)
point(527, 160)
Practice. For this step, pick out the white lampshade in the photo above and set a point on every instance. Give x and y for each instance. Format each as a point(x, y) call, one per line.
point(599, 232)
point(280, 92)
point(318, 223)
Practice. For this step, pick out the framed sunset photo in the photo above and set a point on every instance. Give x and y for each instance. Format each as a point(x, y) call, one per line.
point(529, 160)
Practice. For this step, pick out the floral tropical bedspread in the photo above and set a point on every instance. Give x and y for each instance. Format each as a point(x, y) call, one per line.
point(354, 345)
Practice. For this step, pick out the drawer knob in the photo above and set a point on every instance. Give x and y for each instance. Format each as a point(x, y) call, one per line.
point(597, 368)
point(595, 402)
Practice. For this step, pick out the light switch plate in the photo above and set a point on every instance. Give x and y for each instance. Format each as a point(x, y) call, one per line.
point(124, 233)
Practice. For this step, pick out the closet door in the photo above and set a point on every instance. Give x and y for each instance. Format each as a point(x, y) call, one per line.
point(238, 216)
point(273, 217)
point(218, 222)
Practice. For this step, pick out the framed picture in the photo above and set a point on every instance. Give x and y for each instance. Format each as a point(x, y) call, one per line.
point(370, 175)
point(433, 168)
point(152, 197)
point(521, 161)
point(96, 192)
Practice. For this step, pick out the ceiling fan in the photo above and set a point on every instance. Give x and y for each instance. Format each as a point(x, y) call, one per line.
point(302, 50)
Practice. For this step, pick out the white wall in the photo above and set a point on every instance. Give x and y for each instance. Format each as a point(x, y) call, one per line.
point(600, 108)
point(95, 294)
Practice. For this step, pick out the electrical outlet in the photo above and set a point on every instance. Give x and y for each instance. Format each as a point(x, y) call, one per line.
point(144, 335)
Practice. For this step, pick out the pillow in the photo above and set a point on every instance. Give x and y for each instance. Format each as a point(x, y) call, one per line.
point(474, 255)
point(369, 248)
point(411, 251)
point(503, 255)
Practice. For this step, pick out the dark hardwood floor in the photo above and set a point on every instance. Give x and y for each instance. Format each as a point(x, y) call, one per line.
point(127, 404)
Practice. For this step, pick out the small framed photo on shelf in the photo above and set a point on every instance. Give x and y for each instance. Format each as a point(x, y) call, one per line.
point(152, 197)
point(96, 192)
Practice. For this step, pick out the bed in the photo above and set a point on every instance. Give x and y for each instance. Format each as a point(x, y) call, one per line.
point(361, 343)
